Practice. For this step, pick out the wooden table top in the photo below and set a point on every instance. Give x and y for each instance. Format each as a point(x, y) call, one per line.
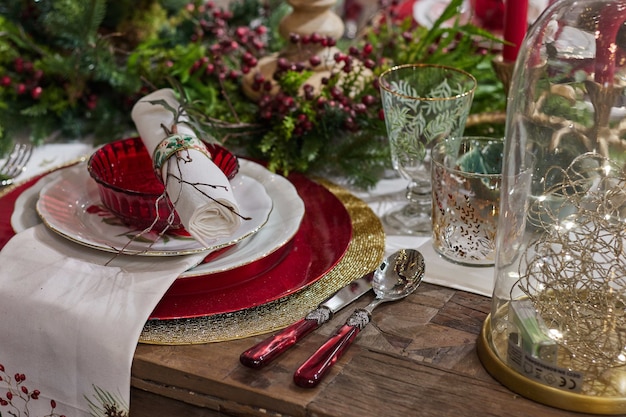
point(417, 357)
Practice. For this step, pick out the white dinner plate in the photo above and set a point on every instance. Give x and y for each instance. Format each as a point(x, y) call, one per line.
point(24, 214)
point(283, 223)
point(70, 205)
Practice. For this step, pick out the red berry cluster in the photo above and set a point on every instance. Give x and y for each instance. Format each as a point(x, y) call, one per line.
point(390, 6)
point(314, 41)
point(335, 96)
point(241, 45)
point(24, 79)
point(16, 389)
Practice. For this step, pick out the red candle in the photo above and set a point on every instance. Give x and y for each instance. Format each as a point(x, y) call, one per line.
point(515, 26)
point(489, 13)
point(610, 21)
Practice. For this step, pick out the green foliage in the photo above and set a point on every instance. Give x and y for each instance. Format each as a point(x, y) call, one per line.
point(559, 106)
point(72, 24)
point(449, 42)
point(61, 51)
point(78, 66)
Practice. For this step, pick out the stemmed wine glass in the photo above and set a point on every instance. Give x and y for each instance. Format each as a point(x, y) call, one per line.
point(421, 102)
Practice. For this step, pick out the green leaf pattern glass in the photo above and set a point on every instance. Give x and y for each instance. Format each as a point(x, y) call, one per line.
point(422, 103)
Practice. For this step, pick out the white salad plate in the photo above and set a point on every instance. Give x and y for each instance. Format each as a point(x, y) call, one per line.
point(282, 225)
point(70, 206)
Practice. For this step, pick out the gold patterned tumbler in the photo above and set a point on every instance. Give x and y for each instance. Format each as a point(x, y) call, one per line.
point(466, 178)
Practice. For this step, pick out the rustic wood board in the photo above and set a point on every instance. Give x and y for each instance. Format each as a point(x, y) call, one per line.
point(417, 357)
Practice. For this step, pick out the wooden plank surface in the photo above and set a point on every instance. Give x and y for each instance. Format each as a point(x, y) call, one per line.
point(417, 357)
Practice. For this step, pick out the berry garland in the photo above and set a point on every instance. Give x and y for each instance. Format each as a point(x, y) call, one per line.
point(76, 67)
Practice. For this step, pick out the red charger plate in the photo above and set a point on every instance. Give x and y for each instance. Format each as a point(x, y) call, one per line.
point(320, 243)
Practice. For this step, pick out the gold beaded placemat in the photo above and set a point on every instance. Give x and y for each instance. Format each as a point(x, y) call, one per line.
point(364, 254)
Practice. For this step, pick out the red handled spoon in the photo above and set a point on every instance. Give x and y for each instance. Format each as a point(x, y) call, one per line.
point(396, 278)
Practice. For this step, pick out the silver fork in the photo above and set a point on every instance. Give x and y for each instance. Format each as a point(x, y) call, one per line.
point(15, 163)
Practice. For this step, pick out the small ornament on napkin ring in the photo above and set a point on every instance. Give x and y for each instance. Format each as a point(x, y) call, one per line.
point(172, 145)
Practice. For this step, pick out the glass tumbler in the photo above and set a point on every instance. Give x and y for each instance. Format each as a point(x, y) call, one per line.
point(466, 179)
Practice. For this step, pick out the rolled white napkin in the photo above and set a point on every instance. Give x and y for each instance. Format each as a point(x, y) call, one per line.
point(205, 217)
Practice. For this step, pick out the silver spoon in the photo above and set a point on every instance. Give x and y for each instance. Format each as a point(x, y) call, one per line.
point(398, 276)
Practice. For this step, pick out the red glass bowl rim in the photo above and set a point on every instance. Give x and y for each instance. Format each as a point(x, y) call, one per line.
point(98, 178)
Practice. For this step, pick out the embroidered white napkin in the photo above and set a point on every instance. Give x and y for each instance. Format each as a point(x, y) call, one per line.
point(206, 212)
point(70, 324)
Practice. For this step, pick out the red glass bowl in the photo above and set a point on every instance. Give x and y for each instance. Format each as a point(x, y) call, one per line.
point(129, 188)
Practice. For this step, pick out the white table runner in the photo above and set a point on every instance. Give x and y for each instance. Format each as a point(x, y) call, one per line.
point(71, 324)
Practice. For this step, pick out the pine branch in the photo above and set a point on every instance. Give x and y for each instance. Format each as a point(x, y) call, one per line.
point(95, 13)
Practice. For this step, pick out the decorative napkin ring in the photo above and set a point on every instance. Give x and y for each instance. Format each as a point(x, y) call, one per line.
point(174, 144)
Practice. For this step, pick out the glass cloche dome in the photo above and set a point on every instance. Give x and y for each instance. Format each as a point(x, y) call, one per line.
point(557, 328)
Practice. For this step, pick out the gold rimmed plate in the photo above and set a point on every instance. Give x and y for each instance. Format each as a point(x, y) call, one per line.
point(282, 224)
point(70, 206)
